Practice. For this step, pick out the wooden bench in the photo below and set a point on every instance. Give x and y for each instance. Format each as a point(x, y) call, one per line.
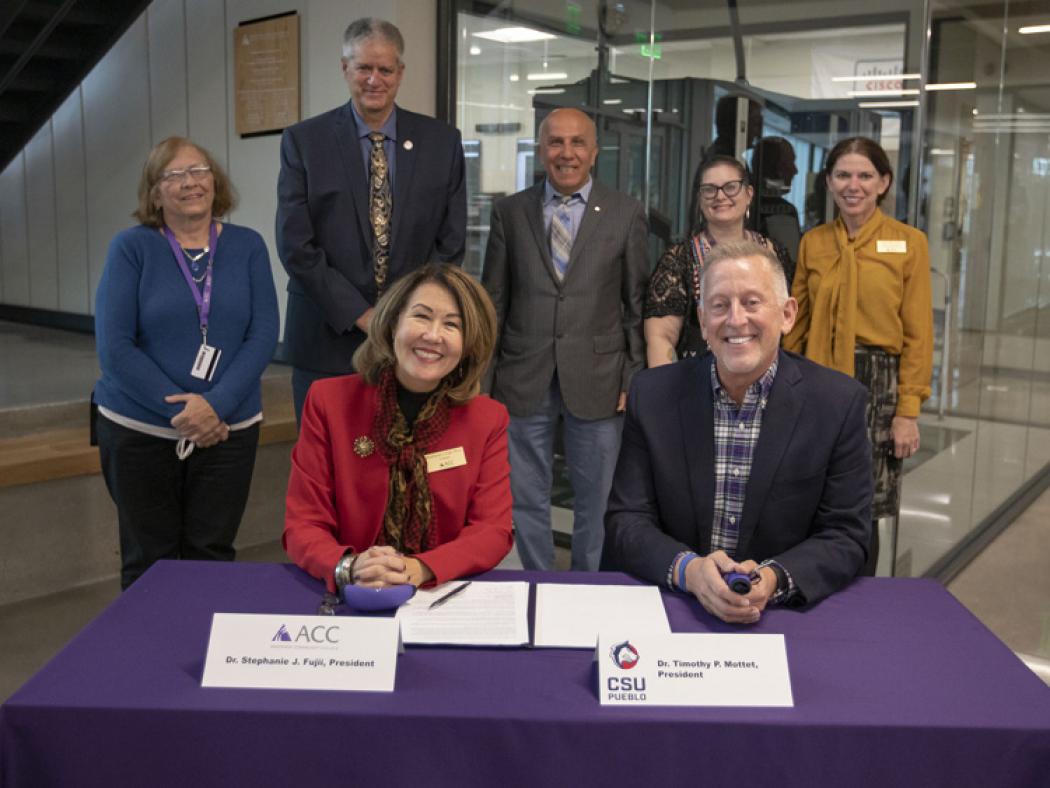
point(62, 453)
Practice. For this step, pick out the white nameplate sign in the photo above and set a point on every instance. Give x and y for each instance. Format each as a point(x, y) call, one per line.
point(301, 652)
point(693, 669)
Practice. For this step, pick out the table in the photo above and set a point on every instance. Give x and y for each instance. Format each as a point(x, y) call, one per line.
point(894, 683)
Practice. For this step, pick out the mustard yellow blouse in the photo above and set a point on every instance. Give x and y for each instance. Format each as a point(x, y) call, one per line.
point(873, 290)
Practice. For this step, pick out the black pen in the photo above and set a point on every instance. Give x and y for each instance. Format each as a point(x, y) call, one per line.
point(443, 599)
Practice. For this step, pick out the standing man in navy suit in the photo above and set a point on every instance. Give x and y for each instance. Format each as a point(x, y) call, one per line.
point(366, 193)
point(747, 459)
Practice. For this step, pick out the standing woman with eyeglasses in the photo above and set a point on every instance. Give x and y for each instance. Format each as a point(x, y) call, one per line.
point(724, 194)
point(865, 309)
point(185, 323)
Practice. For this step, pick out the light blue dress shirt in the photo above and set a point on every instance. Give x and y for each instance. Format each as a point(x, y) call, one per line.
point(389, 146)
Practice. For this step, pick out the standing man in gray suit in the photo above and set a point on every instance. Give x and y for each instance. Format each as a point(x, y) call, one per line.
point(566, 266)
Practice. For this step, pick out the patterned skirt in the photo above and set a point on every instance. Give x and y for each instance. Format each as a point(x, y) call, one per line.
point(877, 370)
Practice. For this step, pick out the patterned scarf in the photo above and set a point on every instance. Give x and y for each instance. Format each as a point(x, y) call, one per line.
point(408, 522)
point(702, 244)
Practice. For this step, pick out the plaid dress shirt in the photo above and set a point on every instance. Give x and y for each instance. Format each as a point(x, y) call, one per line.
point(736, 434)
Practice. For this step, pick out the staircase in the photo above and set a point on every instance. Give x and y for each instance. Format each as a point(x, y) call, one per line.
point(47, 47)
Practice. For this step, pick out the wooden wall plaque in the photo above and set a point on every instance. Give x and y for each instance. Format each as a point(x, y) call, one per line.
point(266, 74)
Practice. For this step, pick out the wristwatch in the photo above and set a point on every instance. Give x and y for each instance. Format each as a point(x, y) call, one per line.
point(783, 584)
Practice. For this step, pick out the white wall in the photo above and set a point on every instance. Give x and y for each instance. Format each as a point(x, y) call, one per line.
point(74, 186)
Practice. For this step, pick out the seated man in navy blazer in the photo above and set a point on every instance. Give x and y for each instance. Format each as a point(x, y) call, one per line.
point(367, 192)
point(747, 459)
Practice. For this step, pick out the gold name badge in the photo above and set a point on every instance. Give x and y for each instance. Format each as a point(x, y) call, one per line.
point(443, 460)
point(891, 247)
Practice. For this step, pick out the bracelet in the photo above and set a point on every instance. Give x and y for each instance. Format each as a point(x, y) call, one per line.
point(344, 571)
point(681, 569)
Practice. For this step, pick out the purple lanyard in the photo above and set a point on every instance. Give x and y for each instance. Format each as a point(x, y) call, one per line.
point(203, 300)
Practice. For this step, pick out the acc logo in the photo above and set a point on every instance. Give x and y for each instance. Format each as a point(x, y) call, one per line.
point(319, 635)
point(624, 655)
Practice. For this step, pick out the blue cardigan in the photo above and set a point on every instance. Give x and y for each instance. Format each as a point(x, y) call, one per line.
point(147, 332)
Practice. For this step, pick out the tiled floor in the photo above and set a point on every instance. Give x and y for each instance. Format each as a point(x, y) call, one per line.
point(968, 465)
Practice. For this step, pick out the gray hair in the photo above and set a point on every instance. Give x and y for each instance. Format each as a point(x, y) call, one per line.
point(372, 27)
point(736, 250)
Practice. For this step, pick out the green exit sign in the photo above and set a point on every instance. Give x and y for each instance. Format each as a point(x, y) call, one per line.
point(645, 49)
point(572, 18)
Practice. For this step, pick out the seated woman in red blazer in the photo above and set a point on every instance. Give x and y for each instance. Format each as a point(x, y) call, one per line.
point(400, 474)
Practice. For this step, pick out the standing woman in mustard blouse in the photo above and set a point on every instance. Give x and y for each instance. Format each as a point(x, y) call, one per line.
point(863, 289)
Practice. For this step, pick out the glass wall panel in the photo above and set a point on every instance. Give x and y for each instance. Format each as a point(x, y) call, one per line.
point(987, 199)
point(955, 91)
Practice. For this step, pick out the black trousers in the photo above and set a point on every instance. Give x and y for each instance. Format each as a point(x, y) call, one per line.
point(172, 508)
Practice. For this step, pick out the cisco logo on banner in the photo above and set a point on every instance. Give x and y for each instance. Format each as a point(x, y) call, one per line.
point(320, 635)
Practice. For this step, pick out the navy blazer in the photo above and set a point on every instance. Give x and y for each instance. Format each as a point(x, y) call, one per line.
point(808, 498)
point(324, 236)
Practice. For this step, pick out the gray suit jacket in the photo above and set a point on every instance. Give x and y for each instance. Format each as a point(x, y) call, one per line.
point(587, 327)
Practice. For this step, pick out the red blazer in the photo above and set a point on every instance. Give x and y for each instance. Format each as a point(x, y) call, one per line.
point(336, 499)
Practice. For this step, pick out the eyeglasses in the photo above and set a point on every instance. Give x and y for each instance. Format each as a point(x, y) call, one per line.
point(198, 173)
point(730, 189)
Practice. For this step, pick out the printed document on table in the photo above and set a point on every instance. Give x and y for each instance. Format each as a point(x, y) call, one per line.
point(571, 616)
point(483, 614)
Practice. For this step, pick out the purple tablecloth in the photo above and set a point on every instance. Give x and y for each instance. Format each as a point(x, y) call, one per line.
point(894, 683)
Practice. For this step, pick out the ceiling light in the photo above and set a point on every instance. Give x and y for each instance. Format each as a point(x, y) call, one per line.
point(951, 86)
point(612, 101)
point(546, 76)
point(873, 93)
point(514, 35)
point(545, 91)
point(514, 77)
point(941, 152)
point(475, 50)
point(1032, 29)
point(886, 104)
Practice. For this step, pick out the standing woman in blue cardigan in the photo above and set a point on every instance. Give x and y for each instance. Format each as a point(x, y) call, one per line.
point(185, 322)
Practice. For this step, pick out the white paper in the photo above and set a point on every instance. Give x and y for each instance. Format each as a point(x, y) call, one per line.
point(483, 614)
point(692, 669)
point(570, 615)
point(301, 652)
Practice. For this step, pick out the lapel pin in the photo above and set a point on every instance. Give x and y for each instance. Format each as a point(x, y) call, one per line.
point(407, 145)
point(597, 208)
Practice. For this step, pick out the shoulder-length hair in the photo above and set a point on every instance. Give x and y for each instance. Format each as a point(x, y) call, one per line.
point(148, 212)
point(867, 148)
point(478, 327)
point(698, 220)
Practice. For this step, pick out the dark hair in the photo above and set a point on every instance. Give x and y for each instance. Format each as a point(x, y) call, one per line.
point(771, 154)
point(695, 214)
point(867, 148)
point(148, 212)
point(372, 27)
point(475, 309)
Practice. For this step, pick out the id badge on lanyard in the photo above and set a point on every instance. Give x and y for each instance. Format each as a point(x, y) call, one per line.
point(207, 359)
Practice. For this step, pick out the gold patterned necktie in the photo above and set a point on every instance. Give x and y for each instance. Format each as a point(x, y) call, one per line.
point(380, 207)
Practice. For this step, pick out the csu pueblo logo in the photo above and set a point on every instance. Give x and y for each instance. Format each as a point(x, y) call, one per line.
point(319, 635)
point(624, 655)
